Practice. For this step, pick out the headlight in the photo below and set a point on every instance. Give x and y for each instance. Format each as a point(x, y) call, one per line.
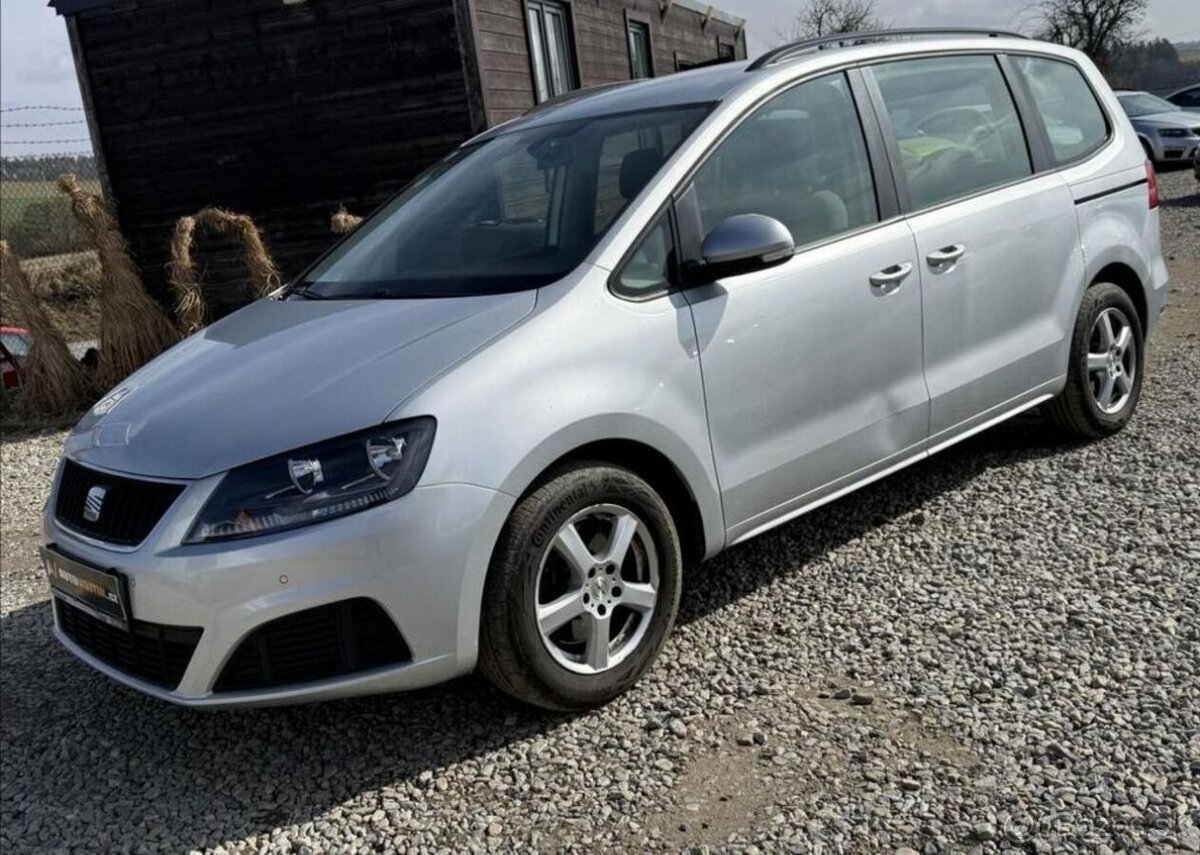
point(1173, 132)
point(318, 482)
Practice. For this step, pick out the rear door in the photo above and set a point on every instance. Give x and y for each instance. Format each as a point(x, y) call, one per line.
point(812, 369)
point(998, 247)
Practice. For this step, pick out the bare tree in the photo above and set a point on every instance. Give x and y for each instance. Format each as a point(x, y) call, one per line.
point(829, 17)
point(1096, 27)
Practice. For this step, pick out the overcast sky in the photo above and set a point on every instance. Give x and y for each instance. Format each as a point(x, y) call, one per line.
point(36, 66)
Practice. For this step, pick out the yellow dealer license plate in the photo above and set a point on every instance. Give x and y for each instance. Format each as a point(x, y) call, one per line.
point(101, 593)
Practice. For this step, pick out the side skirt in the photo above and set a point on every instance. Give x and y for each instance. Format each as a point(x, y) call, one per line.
point(945, 439)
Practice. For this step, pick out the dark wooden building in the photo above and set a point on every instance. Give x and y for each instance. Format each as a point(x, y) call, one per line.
point(286, 109)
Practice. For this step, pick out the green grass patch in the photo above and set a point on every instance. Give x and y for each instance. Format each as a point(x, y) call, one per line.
point(36, 218)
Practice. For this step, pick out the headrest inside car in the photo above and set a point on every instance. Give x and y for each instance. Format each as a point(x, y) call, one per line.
point(637, 168)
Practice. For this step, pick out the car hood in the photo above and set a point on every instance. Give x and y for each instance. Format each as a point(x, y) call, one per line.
point(1171, 119)
point(280, 374)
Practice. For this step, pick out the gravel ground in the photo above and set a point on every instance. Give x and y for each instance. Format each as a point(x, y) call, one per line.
point(995, 650)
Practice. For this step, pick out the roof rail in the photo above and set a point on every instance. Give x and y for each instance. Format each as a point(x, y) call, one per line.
point(786, 52)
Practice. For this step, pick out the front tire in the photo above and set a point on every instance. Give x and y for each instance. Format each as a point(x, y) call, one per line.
point(583, 589)
point(1104, 375)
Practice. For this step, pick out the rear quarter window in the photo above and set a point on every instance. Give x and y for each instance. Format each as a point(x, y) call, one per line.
point(1075, 124)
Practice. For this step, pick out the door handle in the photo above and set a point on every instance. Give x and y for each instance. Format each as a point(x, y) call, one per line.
point(940, 259)
point(888, 280)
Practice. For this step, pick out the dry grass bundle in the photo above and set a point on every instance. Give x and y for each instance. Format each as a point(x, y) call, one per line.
point(343, 222)
point(133, 328)
point(54, 383)
point(191, 309)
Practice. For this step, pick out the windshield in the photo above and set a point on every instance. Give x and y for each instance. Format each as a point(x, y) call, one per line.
point(1143, 104)
point(17, 344)
point(515, 212)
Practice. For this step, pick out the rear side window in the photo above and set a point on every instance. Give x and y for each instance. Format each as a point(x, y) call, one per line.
point(956, 125)
point(800, 158)
point(1074, 122)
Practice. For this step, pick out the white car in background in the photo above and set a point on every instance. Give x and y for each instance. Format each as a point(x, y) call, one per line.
point(1169, 134)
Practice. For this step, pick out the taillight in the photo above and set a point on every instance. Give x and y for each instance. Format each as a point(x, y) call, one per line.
point(1152, 185)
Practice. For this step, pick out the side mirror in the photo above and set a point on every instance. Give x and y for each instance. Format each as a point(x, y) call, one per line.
point(740, 244)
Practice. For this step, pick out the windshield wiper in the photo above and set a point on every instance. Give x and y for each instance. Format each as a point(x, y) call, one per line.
point(307, 293)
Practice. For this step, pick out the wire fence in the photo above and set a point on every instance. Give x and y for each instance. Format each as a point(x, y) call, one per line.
point(35, 216)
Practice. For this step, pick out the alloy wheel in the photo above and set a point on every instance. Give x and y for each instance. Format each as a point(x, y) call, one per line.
point(596, 588)
point(1111, 360)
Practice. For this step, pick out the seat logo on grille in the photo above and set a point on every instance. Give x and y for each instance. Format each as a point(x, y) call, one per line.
point(94, 502)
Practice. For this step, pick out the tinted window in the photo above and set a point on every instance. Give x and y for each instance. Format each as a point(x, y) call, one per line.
point(800, 158)
point(1188, 98)
point(515, 212)
point(648, 270)
point(1073, 120)
point(617, 155)
point(956, 126)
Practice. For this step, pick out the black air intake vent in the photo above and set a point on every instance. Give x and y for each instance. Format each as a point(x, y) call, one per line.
point(315, 644)
point(156, 653)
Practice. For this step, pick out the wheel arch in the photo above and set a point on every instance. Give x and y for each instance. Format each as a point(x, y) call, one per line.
point(684, 476)
point(659, 472)
point(1125, 278)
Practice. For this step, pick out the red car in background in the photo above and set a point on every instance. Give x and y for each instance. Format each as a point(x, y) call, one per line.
point(14, 347)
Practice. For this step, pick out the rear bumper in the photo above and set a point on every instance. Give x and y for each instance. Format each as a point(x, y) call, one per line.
point(422, 558)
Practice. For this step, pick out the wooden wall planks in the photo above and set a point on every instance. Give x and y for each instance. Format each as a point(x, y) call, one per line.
point(286, 111)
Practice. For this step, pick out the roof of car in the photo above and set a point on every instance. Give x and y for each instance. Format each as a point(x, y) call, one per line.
point(697, 86)
point(718, 82)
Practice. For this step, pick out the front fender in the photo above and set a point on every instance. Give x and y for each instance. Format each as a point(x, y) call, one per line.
point(583, 367)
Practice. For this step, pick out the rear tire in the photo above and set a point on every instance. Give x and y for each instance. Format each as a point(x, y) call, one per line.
point(1104, 374)
point(583, 589)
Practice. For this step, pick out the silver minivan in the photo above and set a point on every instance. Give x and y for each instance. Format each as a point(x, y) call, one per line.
point(597, 345)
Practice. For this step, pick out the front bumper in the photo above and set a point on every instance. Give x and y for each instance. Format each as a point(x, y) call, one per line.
point(1173, 149)
point(422, 557)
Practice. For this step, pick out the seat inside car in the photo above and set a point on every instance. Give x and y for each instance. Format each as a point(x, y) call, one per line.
point(637, 168)
point(793, 168)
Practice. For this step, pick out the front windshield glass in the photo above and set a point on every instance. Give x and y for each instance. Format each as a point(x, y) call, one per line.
point(515, 212)
point(1143, 104)
point(16, 343)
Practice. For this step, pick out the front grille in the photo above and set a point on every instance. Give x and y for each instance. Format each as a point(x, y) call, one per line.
point(129, 510)
point(315, 644)
point(152, 652)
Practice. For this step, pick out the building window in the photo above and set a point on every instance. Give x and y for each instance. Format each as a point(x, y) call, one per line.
point(550, 48)
point(725, 51)
point(640, 64)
